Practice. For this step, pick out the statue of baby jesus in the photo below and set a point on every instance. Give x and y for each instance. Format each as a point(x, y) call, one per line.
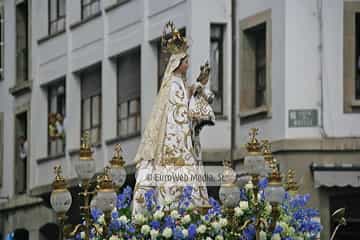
point(200, 110)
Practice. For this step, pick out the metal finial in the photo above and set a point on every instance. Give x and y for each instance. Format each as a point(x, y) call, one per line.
point(106, 180)
point(291, 184)
point(57, 170)
point(85, 150)
point(107, 170)
point(117, 151)
point(117, 159)
point(59, 181)
point(253, 145)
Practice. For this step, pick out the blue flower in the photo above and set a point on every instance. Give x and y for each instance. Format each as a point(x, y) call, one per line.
point(185, 199)
point(301, 217)
point(278, 229)
point(114, 215)
point(243, 195)
point(249, 232)
point(215, 207)
point(178, 234)
point(78, 237)
point(263, 183)
point(169, 222)
point(124, 199)
point(130, 228)
point(155, 224)
point(192, 231)
point(95, 213)
point(150, 199)
point(114, 226)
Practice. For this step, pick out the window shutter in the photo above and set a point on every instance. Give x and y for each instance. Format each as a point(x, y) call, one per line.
point(91, 82)
point(129, 76)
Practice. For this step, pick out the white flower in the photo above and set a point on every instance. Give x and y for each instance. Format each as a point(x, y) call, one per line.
point(186, 219)
point(82, 235)
point(174, 214)
point(145, 229)
point(219, 237)
point(139, 218)
point(167, 232)
point(114, 237)
point(158, 214)
point(283, 225)
point(238, 212)
point(276, 236)
point(223, 222)
point(268, 208)
point(249, 186)
point(208, 238)
point(244, 205)
point(216, 225)
point(201, 229)
point(262, 235)
point(185, 232)
point(154, 233)
point(101, 219)
point(123, 219)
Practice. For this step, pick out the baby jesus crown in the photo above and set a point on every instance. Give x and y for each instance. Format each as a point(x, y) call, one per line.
point(172, 41)
point(204, 71)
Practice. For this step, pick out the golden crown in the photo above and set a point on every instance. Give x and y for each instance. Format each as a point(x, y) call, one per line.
point(172, 41)
point(204, 71)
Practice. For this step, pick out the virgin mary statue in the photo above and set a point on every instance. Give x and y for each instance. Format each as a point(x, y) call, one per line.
point(166, 148)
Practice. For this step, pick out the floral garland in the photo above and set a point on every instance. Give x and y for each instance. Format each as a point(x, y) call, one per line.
point(295, 220)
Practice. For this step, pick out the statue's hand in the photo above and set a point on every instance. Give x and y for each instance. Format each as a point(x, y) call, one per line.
point(192, 89)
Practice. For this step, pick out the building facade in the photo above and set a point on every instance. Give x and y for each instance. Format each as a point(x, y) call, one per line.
point(96, 65)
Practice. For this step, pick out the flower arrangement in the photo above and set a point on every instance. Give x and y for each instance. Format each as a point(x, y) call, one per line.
point(295, 220)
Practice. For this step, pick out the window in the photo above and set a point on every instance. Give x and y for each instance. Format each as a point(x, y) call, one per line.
point(163, 58)
point(216, 64)
point(91, 103)
point(1, 146)
point(22, 152)
point(128, 81)
point(255, 55)
point(56, 118)
point(2, 42)
point(351, 57)
point(357, 62)
point(89, 8)
point(57, 9)
point(21, 42)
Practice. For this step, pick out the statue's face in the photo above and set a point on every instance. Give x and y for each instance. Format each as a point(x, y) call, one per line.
point(184, 65)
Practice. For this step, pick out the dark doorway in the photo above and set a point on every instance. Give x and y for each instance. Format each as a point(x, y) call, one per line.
point(21, 234)
point(21, 152)
point(49, 231)
point(348, 198)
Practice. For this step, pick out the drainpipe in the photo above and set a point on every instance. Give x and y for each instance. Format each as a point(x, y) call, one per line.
point(233, 80)
point(321, 64)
